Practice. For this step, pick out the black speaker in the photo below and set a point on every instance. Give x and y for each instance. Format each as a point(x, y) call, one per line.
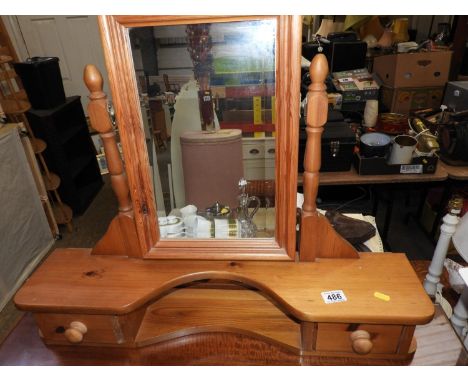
point(42, 81)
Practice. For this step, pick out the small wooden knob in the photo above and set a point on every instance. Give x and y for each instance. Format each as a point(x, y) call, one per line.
point(76, 332)
point(361, 342)
point(318, 69)
point(93, 78)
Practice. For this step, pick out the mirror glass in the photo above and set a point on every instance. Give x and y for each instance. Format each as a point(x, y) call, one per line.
point(207, 95)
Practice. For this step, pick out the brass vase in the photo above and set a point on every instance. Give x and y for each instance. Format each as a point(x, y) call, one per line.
point(400, 29)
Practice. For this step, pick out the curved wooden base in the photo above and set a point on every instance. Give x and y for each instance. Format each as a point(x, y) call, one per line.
point(136, 303)
point(25, 347)
point(237, 349)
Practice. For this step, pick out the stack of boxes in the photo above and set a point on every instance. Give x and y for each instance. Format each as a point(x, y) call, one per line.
point(412, 81)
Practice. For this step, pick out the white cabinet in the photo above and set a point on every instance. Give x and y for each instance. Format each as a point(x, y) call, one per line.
point(258, 155)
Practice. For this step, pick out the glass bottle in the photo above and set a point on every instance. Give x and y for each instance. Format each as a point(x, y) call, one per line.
point(247, 228)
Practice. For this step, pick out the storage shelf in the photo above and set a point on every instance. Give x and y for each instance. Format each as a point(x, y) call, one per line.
point(63, 213)
point(175, 315)
point(78, 164)
point(69, 133)
point(70, 152)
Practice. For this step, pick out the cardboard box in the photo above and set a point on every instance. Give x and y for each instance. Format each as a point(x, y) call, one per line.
point(404, 100)
point(356, 85)
point(413, 69)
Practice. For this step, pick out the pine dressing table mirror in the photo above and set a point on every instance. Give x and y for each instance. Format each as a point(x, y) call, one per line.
point(228, 286)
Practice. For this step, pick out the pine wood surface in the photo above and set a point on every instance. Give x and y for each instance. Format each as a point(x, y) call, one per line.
point(72, 281)
point(121, 238)
point(313, 225)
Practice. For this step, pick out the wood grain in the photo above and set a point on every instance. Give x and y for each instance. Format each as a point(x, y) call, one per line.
point(24, 347)
point(438, 345)
point(308, 336)
point(121, 237)
point(336, 337)
point(114, 33)
point(318, 238)
point(53, 327)
point(73, 281)
point(455, 172)
point(122, 83)
point(189, 311)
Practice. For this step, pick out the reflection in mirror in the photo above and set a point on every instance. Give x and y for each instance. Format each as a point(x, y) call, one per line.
point(207, 96)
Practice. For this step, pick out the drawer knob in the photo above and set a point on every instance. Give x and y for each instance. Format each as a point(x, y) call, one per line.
point(254, 151)
point(271, 151)
point(361, 342)
point(75, 332)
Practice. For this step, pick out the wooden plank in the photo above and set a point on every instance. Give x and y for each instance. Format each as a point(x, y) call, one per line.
point(456, 172)
point(72, 280)
point(247, 91)
point(342, 178)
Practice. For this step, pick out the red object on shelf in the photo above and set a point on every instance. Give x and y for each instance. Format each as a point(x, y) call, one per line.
point(248, 127)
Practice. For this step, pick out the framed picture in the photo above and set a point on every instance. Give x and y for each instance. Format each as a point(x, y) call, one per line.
point(101, 159)
point(97, 142)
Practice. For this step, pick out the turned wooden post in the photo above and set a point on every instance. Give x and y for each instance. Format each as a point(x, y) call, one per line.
point(100, 121)
point(121, 237)
point(318, 238)
point(317, 113)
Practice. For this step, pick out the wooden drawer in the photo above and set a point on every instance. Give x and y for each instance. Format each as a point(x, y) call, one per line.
point(337, 337)
point(100, 328)
point(258, 148)
point(270, 149)
point(253, 150)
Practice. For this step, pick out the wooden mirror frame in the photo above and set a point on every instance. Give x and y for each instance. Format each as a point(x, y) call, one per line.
point(122, 82)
